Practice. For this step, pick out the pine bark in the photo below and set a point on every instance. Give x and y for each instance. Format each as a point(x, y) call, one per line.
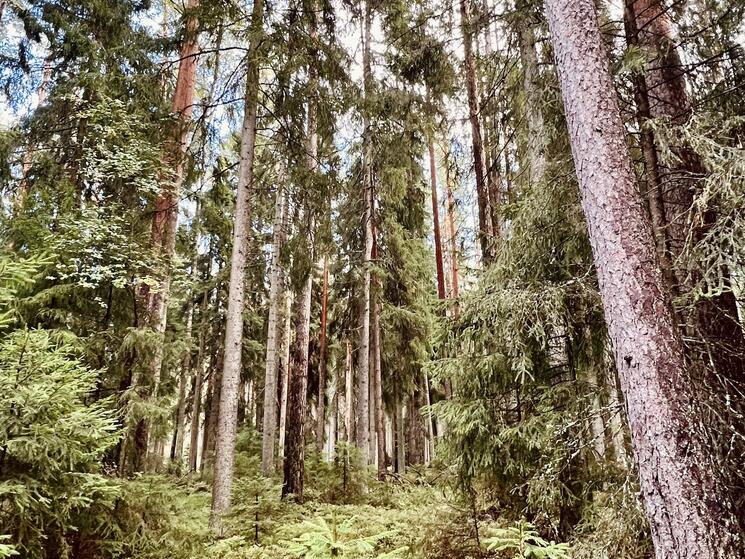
point(294, 464)
point(378, 392)
point(680, 490)
point(269, 427)
point(163, 238)
point(284, 367)
point(322, 365)
point(363, 350)
point(227, 423)
point(486, 231)
point(297, 394)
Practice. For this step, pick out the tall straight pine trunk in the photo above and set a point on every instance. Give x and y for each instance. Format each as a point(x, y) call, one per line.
point(363, 350)
point(269, 427)
point(679, 489)
point(297, 396)
point(163, 241)
point(229, 394)
point(322, 364)
point(485, 231)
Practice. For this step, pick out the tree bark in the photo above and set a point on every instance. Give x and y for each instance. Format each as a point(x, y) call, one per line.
point(486, 231)
point(363, 350)
point(269, 428)
point(680, 492)
point(225, 447)
point(378, 392)
point(163, 236)
point(537, 136)
point(294, 465)
point(322, 366)
point(284, 367)
point(348, 396)
point(297, 393)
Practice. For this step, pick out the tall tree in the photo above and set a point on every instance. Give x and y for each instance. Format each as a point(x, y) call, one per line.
point(322, 365)
point(294, 466)
point(229, 394)
point(163, 233)
point(363, 349)
point(276, 279)
point(675, 478)
point(485, 229)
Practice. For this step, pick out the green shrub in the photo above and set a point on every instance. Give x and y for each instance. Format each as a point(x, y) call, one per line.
point(52, 440)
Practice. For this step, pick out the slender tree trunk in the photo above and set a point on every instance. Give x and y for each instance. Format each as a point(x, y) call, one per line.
point(268, 436)
point(436, 222)
point(430, 435)
point(163, 238)
point(188, 363)
point(378, 392)
point(285, 369)
point(681, 492)
point(198, 379)
point(225, 447)
point(363, 351)
point(349, 396)
point(537, 135)
point(212, 413)
point(398, 430)
point(453, 234)
point(486, 231)
point(320, 426)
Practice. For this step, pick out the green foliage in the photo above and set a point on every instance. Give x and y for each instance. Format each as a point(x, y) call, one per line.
point(523, 541)
point(323, 539)
point(52, 441)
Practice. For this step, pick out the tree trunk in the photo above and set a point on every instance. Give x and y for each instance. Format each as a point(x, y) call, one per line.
point(486, 231)
point(399, 450)
point(212, 413)
point(225, 447)
point(188, 363)
point(363, 351)
point(537, 135)
point(269, 430)
point(715, 319)
point(198, 379)
point(436, 222)
point(681, 492)
point(294, 464)
point(320, 426)
point(378, 392)
point(297, 394)
point(285, 369)
point(348, 396)
point(165, 220)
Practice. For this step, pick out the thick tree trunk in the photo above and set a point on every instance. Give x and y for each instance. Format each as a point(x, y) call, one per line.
point(363, 350)
point(225, 444)
point(322, 366)
point(297, 394)
point(486, 231)
point(681, 492)
point(276, 279)
point(294, 463)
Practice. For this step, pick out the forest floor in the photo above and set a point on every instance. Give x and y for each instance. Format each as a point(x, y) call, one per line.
point(345, 512)
point(405, 517)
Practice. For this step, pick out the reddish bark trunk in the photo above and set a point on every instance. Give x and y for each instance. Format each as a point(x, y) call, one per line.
point(686, 509)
